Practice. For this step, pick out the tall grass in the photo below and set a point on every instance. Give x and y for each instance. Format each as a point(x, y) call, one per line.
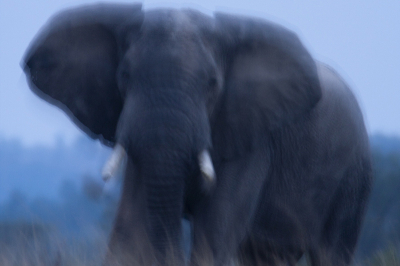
point(23, 244)
point(387, 257)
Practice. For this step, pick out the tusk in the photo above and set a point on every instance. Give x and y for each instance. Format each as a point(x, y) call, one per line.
point(114, 163)
point(206, 166)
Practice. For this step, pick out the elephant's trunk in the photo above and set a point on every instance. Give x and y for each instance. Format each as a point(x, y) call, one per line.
point(164, 173)
point(165, 207)
point(164, 142)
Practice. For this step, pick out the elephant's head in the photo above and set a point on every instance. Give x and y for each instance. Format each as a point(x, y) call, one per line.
point(168, 85)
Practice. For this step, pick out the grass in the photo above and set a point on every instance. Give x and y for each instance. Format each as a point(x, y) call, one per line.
point(23, 244)
point(388, 257)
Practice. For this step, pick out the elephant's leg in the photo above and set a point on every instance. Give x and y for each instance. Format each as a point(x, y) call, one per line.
point(342, 227)
point(222, 220)
point(129, 243)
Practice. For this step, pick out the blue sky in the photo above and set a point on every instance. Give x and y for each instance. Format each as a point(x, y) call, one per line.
point(359, 38)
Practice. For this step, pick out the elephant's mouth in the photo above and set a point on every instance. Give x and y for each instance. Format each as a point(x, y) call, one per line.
point(118, 155)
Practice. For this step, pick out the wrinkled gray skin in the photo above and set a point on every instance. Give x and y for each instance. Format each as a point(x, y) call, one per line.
point(285, 133)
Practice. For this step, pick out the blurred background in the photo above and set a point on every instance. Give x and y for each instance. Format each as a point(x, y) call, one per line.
point(52, 198)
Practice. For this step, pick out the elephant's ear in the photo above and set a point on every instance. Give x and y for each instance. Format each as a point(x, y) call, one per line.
point(72, 64)
point(270, 80)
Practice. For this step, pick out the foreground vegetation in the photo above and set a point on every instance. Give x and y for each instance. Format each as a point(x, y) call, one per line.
point(31, 245)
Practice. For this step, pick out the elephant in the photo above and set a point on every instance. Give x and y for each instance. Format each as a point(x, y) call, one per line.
point(224, 120)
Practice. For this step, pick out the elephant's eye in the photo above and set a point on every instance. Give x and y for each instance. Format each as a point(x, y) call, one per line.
point(123, 80)
point(212, 82)
point(124, 75)
point(212, 91)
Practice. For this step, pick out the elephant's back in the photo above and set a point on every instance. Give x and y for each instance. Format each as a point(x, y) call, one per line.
point(338, 121)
